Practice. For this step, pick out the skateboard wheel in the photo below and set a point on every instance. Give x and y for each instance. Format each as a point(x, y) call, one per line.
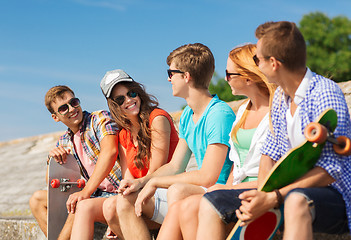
point(55, 183)
point(316, 133)
point(343, 147)
point(80, 183)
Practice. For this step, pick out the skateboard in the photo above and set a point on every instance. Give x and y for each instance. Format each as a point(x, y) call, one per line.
point(293, 165)
point(64, 180)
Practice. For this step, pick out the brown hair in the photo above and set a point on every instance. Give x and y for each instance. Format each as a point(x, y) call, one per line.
point(284, 41)
point(53, 94)
point(197, 59)
point(242, 58)
point(148, 103)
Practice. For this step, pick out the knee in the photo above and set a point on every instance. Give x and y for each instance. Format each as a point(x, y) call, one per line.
point(189, 208)
point(296, 205)
point(109, 208)
point(85, 206)
point(38, 199)
point(176, 192)
point(125, 204)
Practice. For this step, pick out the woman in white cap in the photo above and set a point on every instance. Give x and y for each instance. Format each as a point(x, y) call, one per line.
point(147, 140)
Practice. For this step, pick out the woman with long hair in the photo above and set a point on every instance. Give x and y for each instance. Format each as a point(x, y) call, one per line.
point(247, 136)
point(147, 140)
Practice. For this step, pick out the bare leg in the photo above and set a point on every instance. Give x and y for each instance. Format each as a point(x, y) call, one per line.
point(67, 228)
point(88, 212)
point(111, 217)
point(133, 227)
point(210, 225)
point(189, 216)
point(38, 204)
point(170, 228)
point(297, 218)
point(179, 191)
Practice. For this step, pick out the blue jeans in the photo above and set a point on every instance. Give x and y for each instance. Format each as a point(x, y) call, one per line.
point(102, 194)
point(328, 209)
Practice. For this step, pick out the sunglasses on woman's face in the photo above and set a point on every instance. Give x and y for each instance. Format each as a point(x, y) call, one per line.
point(64, 109)
point(120, 99)
point(228, 74)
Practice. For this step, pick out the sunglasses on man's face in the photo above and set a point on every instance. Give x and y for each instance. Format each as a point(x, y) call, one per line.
point(170, 72)
point(64, 109)
point(228, 74)
point(257, 59)
point(120, 99)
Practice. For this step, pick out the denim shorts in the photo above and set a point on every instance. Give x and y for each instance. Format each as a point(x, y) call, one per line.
point(225, 202)
point(102, 194)
point(161, 206)
point(327, 209)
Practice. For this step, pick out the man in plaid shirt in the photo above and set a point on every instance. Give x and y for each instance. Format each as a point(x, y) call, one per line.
point(320, 201)
point(91, 138)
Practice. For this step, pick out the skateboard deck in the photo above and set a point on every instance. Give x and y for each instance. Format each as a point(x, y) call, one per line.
point(293, 165)
point(57, 197)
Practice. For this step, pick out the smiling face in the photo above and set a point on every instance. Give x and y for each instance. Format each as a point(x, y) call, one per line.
point(73, 118)
point(131, 105)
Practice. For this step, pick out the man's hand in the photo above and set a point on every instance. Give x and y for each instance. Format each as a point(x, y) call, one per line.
point(145, 194)
point(59, 154)
point(74, 198)
point(128, 186)
point(254, 203)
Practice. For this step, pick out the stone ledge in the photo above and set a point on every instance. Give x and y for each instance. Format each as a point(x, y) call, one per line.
point(28, 228)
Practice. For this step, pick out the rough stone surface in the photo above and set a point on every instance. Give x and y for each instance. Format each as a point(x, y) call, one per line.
point(22, 171)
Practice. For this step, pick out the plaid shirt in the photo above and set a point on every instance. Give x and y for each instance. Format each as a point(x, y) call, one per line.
point(95, 126)
point(321, 94)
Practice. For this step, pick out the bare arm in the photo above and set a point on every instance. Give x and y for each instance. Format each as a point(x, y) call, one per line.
point(206, 176)
point(266, 164)
point(177, 165)
point(104, 164)
point(160, 141)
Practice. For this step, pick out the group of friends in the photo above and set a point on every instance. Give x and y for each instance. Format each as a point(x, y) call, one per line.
point(134, 160)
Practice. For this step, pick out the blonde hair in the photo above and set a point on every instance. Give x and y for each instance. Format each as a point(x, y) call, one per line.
point(242, 57)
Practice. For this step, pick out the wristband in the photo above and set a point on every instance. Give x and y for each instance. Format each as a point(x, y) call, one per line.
point(279, 198)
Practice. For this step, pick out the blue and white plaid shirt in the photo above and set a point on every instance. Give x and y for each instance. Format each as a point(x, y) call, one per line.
point(321, 94)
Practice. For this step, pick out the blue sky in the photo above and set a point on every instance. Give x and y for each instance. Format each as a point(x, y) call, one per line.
point(44, 43)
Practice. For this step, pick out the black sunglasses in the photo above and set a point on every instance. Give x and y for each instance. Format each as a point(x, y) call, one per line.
point(257, 59)
point(228, 74)
point(170, 72)
point(120, 99)
point(64, 109)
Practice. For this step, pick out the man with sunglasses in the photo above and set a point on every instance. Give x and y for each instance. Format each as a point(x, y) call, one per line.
point(92, 139)
point(319, 201)
point(204, 130)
